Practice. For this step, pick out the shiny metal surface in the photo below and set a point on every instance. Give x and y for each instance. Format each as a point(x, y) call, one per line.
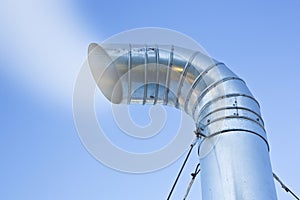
point(237, 164)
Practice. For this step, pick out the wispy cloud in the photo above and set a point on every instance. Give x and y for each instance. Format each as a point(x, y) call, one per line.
point(43, 45)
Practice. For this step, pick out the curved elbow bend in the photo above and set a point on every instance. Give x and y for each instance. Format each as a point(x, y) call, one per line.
point(204, 88)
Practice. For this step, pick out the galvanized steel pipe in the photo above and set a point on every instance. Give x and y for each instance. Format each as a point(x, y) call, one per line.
point(238, 165)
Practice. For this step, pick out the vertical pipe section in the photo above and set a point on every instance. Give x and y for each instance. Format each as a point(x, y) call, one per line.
point(238, 167)
point(234, 156)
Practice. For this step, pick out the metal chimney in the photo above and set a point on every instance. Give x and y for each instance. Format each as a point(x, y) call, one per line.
point(237, 164)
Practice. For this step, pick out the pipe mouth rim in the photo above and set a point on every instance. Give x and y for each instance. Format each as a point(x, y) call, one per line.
point(105, 73)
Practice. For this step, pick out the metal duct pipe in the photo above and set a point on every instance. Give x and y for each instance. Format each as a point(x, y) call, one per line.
point(237, 166)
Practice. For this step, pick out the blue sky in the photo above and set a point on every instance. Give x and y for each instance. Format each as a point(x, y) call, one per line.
point(43, 45)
